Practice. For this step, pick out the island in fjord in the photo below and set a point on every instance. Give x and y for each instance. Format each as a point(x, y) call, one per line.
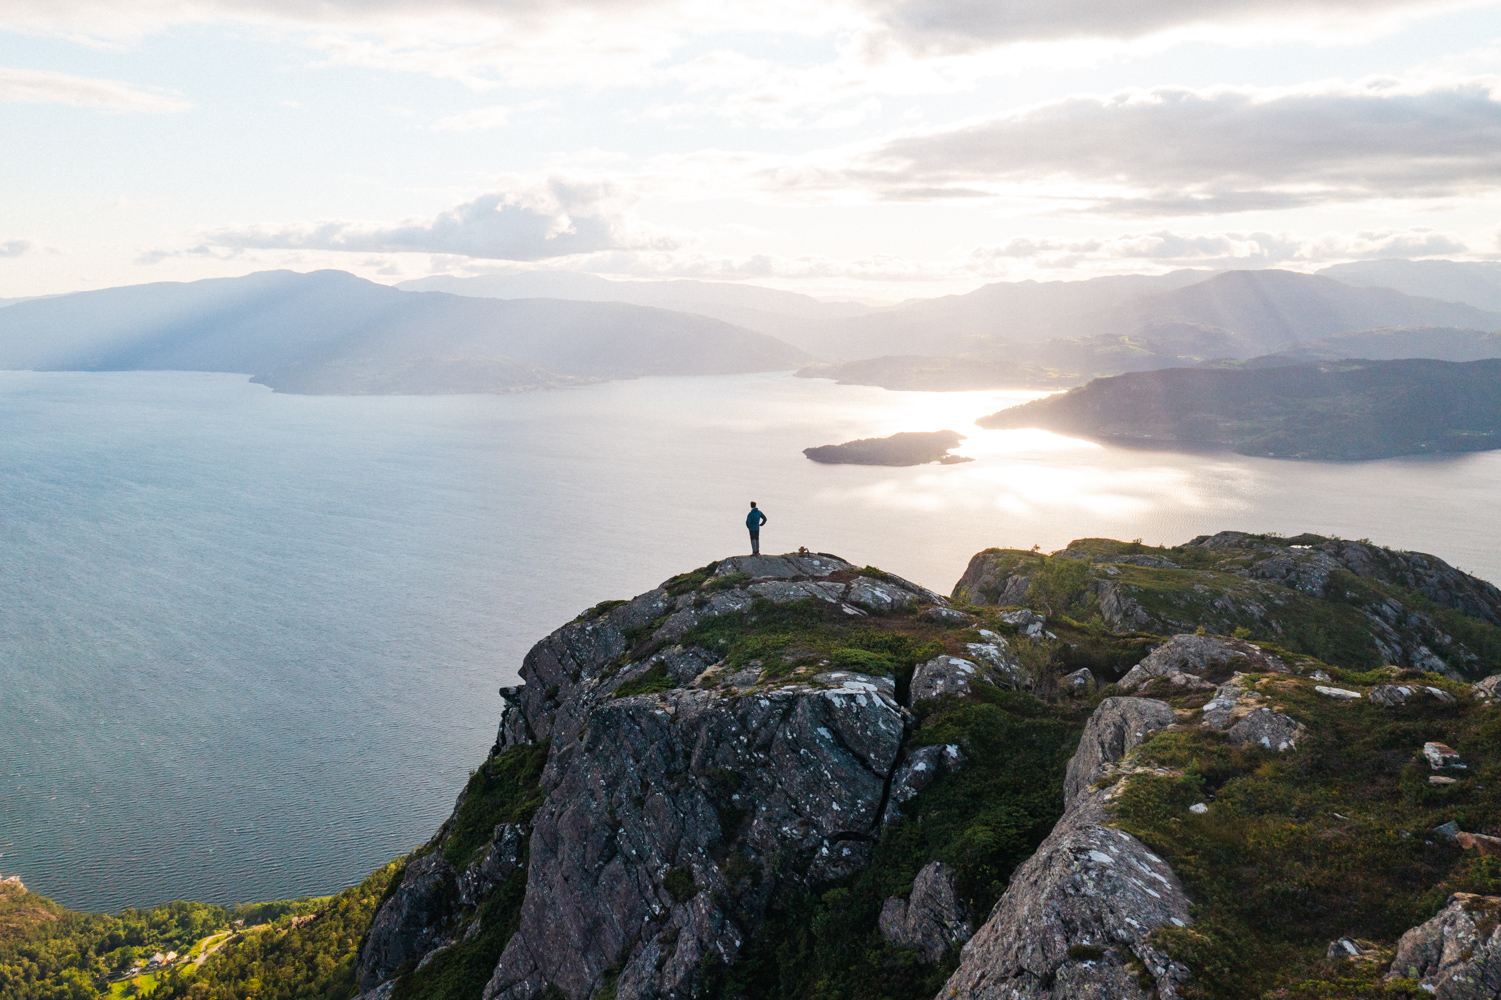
point(1246, 766)
point(905, 448)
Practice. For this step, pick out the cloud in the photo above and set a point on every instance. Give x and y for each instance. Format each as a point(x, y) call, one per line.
point(35, 86)
point(476, 120)
point(1034, 256)
point(1175, 151)
point(946, 26)
point(1233, 249)
point(596, 42)
point(14, 248)
point(558, 218)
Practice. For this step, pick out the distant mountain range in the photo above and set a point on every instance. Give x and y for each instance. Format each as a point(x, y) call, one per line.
point(787, 315)
point(329, 332)
point(1475, 283)
point(1323, 410)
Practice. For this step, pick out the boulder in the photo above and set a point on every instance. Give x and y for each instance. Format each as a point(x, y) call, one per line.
point(1117, 727)
point(1457, 954)
point(946, 616)
point(1486, 847)
point(942, 675)
point(1344, 694)
point(1025, 621)
point(1489, 689)
point(1441, 756)
point(995, 654)
point(1080, 682)
point(930, 920)
point(1395, 695)
point(1352, 949)
point(1266, 728)
point(990, 579)
point(1195, 661)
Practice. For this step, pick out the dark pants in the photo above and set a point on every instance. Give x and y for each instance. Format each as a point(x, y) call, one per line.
point(755, 541)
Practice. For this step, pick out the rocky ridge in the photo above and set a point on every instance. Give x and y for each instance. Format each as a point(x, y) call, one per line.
point(706, 754)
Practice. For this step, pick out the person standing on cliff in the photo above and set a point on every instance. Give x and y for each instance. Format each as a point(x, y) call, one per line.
point(753, 521)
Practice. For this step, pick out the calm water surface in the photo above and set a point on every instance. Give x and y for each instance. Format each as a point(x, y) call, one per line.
point(250, 643)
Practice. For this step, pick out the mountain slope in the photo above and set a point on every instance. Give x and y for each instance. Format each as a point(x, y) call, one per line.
point(787, 315)
point(1263, 309)
point(1115, 770)
point(1438, 343)
point(995, 314)
point(1475, 283)
point(1272, 308)
point(1328, 410)
point(330, 332)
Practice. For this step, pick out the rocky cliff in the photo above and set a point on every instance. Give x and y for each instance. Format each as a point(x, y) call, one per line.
point(784, 776)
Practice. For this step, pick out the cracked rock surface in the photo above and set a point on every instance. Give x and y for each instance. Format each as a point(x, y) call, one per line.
point(669, 818)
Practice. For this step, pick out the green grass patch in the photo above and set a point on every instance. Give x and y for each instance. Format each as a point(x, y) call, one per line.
point(505, 789)
point(684, 582)
point(1300, 848)
point(655, 679)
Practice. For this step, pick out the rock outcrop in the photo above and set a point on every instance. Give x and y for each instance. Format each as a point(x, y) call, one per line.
point(1077, 917)
point(670, 816)
point(1245, 718)
point(930, 920)
point(411, 923)
point(1457, 954)
point(1196, 661)
point(920, 768)
point(1117, 727)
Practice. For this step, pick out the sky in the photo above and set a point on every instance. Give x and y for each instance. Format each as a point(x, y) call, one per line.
point(867, 149)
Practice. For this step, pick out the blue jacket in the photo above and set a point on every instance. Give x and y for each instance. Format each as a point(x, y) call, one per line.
point(755, 519)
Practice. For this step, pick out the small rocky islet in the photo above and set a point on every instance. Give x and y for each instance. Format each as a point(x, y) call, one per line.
point(1246, 766)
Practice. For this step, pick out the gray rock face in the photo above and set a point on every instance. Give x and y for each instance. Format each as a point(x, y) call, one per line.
point(1121, 611)
point(1083, 908)
point(988, 580)
point(674, 782)
point(1457, 954)
point(411, 922)
point(1116, 728)
point(920, 769)
point(1195, 660)
point(931, 920)
point(669, 818)
point(491, 871)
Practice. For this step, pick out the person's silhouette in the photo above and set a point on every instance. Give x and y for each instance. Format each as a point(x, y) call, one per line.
point(753, 521)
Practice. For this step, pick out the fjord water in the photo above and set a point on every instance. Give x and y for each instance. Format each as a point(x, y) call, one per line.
point(250, 642)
